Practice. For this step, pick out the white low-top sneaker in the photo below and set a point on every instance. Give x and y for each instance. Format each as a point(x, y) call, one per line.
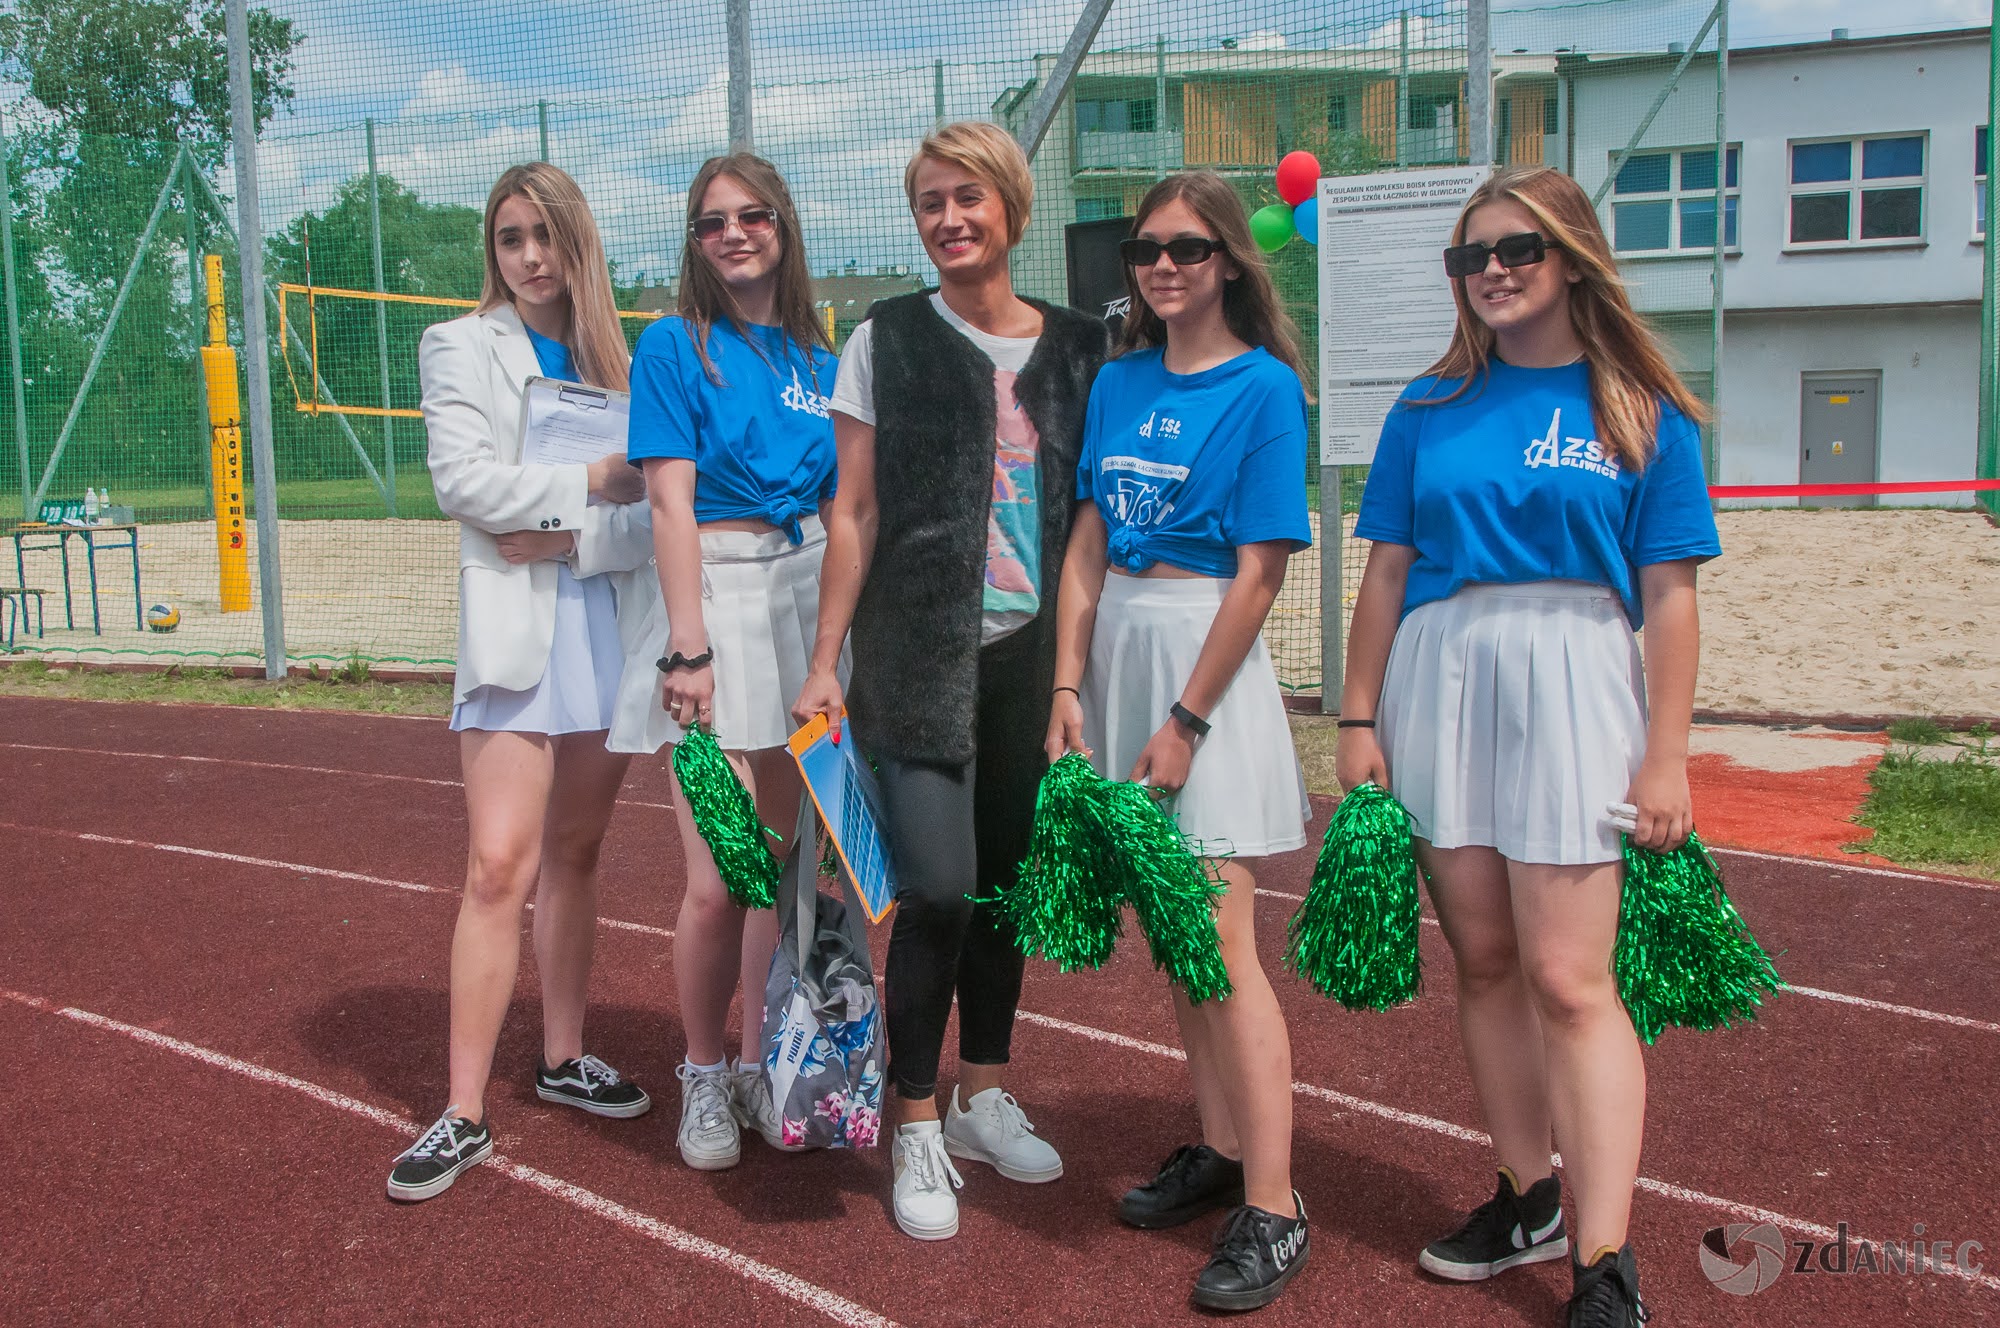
point(710, 1139)
point(925, 1178)
point(755, 1110)
point(991, 1128)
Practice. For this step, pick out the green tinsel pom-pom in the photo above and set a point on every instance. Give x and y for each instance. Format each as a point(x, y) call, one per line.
point(1684, 955)
point(727, 819)
point(1355, 936)
point(1096, 846)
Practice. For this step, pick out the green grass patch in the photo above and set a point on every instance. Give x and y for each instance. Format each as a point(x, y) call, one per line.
point(1917, 732)
point(1938, 814)
point(347, 686)
point(298, 500)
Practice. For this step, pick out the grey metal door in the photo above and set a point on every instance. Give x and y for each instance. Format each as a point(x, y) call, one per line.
point(1838, 418)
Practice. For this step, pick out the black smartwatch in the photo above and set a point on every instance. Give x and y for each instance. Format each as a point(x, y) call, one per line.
point(670, 663)
point(1195, 723)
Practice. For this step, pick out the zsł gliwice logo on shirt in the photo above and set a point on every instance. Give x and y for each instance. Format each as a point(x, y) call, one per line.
point(1552, 449)
point(798, 398)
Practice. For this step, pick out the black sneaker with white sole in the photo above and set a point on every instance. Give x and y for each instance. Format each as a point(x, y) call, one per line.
point(1607, 1292)
point(1256, 1254)
point(1194, 1180)
point(589, 1084)
point(1506, 1231)
point(428, 1167)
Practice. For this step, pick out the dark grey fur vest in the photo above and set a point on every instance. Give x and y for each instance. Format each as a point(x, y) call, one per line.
point(915, 686)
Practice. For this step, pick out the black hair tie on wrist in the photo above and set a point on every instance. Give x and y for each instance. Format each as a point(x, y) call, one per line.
point(1071, 690)
point(676, 661)
point(1354, 724)
point(1195, 723)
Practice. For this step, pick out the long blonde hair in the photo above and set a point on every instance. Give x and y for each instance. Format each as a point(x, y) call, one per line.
point(1250, 303)
point(705, 298)
point(1629, 373)
point(596, 343)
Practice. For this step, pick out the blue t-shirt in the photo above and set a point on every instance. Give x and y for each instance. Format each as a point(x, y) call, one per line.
point(1187, 467)
point(1508, 484)
point(551, 354)
point(761, 442)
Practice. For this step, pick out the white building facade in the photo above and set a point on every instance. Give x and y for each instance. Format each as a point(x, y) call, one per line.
point(1853, 232)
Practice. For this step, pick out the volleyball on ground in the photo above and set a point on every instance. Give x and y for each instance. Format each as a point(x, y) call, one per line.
point(163, 617)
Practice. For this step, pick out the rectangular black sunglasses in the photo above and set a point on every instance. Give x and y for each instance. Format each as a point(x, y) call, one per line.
point(1523, 250)
point(1185, 250)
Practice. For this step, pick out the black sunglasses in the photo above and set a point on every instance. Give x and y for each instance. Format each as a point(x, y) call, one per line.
point(1523, 250)
point(1186, 250)
point(752, 221)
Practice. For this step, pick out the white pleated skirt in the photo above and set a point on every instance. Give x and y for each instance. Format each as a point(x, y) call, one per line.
point(1510, 717)
point(1245, 796)
point(760, 604)
point(579, 684)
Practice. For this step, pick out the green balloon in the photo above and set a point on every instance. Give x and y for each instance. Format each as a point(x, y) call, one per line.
point(1271, 226)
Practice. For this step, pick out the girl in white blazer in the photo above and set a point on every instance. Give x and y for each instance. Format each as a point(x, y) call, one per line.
point(554, 569)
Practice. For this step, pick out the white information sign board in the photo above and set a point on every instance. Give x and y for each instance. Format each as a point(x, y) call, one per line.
point(1385, 308)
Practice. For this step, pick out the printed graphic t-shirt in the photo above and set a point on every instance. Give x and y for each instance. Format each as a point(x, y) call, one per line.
point(1186, 467)
point(1013, 595)
point(761, 440)
point(1509, 484)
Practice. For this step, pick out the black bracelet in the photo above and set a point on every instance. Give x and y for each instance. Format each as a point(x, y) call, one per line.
point(1354, 724)
point(1071, 690)
point(669, 663)
point(1195, 723)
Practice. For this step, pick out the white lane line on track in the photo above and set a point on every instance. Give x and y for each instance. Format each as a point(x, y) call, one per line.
point(620, 924)
point(1432, 1124)
point(1333, 1097)
point(812, 1296)
point(1858, 869)
point(272, 765)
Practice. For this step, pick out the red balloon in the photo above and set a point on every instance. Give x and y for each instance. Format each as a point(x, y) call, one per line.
point(1298, 177)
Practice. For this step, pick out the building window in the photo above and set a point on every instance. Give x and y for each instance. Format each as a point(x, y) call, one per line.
point(1858, 191)
point(1550, 113)
point(1099, 209)
point(1133, 115)
point(1982, 147)
point(1664, 202)
point(1336, 112)
point(1424, 110)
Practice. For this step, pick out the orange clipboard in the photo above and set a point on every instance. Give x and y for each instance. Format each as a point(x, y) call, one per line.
point(850, 807)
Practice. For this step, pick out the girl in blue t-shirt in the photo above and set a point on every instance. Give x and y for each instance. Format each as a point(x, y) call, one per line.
point(1535, 499)
point(729, 420)
point(1193, 481)
point(552, 564)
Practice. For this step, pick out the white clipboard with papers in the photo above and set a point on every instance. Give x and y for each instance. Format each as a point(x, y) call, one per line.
point(565, 424)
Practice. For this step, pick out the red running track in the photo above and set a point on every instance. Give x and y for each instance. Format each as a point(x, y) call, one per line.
point(223, 978)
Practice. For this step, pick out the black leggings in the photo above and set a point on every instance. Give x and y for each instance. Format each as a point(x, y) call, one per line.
point(953, 836)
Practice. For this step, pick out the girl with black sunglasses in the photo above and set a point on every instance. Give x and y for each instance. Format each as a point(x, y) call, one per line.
point(730, 421)
point(1535, 498)
point(1192, 487)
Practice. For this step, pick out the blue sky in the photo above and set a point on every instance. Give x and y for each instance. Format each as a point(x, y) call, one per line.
point(845, 86)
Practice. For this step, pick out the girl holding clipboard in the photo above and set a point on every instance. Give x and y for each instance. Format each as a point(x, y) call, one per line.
point(1193, 498)
point(729, 419)
point(545, 579)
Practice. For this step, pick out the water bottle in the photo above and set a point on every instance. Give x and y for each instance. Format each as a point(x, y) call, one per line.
point(104, 505)
point(90, 505)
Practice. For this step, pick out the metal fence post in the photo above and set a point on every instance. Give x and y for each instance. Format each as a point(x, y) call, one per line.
point(1048, 101)
point(742, 136)
point(14, 326)
point(382, 308)
point(256, 348)
point(541, 122)
point(1479, 83)
point(937, 93)
point(197, 307)
point(1987, 463)
point(1716, 309)
point(1160, 164)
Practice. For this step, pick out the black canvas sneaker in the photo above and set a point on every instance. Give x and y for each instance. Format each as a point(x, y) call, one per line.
point(1195, 1180)
point(1506, 1231)
point(1607, 1293)
point(428, 1167)
point(1256, 1254)
point(588, 1083)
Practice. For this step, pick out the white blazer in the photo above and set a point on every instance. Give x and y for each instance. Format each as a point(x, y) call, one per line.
point(474, 370)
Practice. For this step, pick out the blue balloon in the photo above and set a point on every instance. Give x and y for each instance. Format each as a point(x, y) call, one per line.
point(1305, 220)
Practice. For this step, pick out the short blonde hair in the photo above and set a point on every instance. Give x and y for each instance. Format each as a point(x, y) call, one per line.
point(988, 152)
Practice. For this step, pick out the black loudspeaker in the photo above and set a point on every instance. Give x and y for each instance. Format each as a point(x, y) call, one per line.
point(1096, 274)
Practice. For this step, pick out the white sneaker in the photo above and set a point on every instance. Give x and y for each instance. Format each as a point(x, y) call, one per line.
point(992, 1129)
point(710, 1138)
point(925, 1205)
point(750, 1093)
